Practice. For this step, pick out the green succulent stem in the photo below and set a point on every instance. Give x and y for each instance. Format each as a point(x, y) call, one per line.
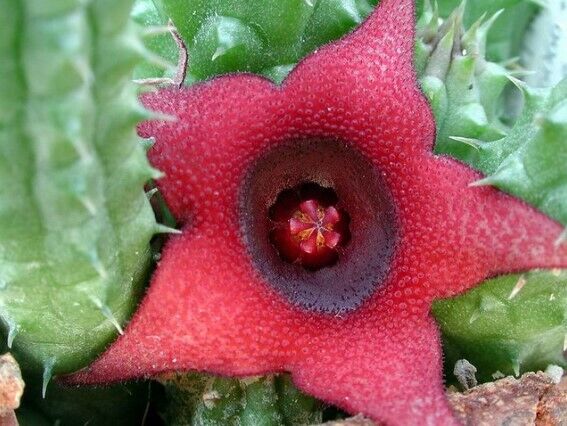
point(198, 399)
point(75, 224)
point(507, 326)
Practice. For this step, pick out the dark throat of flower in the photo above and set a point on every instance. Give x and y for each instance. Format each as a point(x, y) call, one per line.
point(318, 223)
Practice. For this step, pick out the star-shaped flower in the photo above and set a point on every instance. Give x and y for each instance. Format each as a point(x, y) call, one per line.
point(351, 128)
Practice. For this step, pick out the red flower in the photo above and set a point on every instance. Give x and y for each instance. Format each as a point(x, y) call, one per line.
point(355, 330)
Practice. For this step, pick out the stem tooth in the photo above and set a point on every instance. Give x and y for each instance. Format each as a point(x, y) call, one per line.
point(158, 81)
point(160, 228)
point(89, 205)
point(475, 143)
point(155, 30)
point(98, 266)
point(147, 143)
point(487, 181)
point(110, 316)
point(151, 193)
point(218, 53)
point(107, 313)
point(476, 314)
point(518, 287)
point(516, 367)
point(522, 86)
point(155, 173)
point(47, 374)
point(12, 332)
point(162, 117)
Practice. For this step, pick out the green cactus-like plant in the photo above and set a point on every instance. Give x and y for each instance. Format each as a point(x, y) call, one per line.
point(544, 49)
point(465, 91)
point(264, 37)
point(509, 325)
point(496, 333)
point(270, 38)
point(120, 404)
point(505, 37)
point(151, 17)
point(198, 399)
point(464, 88)
point(74, 220)
point(530, 161)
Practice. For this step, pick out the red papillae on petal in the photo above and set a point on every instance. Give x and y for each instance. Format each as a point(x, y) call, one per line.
point(207, 307)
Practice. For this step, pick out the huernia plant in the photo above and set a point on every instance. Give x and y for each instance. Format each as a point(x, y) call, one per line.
point(347, 136)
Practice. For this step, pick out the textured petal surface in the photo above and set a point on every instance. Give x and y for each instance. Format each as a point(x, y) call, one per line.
point(382, 375)
point(209, 309)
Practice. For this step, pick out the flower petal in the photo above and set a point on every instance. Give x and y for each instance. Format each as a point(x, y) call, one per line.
point(209, 141)
point(332, 238)
point(205, 309)
point(296, 226)
point(331, 216)
point(309, 207)
point(309, 245)
point(386, 365)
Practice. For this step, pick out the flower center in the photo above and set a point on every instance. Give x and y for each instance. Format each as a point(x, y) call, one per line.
point(312, 226)
point(318, 223)
point(308, 227)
